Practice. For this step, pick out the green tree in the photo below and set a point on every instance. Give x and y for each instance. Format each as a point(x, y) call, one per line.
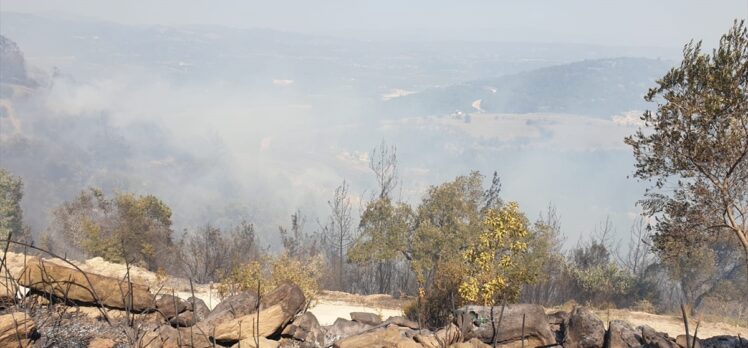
point(126, 227)
point(384, 231)
point(447, 220)
point(695, 147)
point(595, 277)
point(11, 215)
point(432, 239)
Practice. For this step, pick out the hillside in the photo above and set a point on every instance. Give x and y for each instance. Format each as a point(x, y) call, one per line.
point(601, 88)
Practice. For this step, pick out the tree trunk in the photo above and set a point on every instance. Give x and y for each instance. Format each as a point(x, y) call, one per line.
point(744, 241)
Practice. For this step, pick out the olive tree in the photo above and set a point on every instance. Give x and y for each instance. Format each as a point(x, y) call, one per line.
point(694, 147)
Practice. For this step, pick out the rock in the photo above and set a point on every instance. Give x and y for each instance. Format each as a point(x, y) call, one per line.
point(724, 342)
point(168, 337)
point(622, 335)
point(475, 322)
point(343, 328)
point(69, 283)
point(233, 307)
point(190, 316)
point(270, 320)
point(116, 314)
point(366, 318)
point(170, 305)
point(557, 319)
point(585, 329)
point(472, 343)
point(402, 321)
point(558, 322)
point(305, 328)
point(387, 338)
point(99, 342)
point(16, 330)
point(654, 339)
point(278, 308)
point(184, 319)
point(681, 341)
point(443, 337)
point(252, 343)
point(289, 296)
point(200, 309)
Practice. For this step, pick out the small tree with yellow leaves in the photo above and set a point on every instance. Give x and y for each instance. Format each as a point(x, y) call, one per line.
point(271, 272)
point(495, 272)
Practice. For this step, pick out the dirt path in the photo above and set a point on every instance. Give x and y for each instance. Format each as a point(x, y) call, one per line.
point(672, 325)
point(328, 311)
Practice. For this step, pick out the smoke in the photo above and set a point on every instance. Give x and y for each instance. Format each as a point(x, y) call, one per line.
point(220, 141)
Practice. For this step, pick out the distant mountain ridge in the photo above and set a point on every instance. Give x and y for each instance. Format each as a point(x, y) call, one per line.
point(253, 58)
point(600, 87)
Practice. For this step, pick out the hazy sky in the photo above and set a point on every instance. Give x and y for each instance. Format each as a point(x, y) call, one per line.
point(631, 22)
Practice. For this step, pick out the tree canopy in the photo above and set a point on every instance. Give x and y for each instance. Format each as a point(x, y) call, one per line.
point(694, 147)
point(126, 227)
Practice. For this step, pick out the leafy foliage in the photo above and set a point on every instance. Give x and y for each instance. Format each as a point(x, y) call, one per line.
point(126, 227)
point(11, 214)
point(274, 271)
point(384, 230)
point(493, 263)
point(695, 147)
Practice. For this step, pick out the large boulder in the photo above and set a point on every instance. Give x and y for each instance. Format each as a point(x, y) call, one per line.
point(70, 284)
point(475, 322)
point(472, 343)
point(288, 295)
point(168, 337)
point(184, 319)
point(724, 342)
point(198, 307)
point(16, 330)
point(277, 309)
point(366, 318)
point(343, 328)
point(622, 335)
point(259, 342)
point(169, 306)
point(402, 321)
point(654, 339)
point(441, 338)
point(690, 342)
point(305, 329)
point(262, 324)
point(391, 337)
point(232, 307)
point(585, 329)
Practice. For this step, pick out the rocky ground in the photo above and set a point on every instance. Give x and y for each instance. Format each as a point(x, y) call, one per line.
point(47, 303)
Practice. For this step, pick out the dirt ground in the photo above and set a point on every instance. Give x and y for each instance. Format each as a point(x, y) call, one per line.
point(334, 304)
point(672, 325)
